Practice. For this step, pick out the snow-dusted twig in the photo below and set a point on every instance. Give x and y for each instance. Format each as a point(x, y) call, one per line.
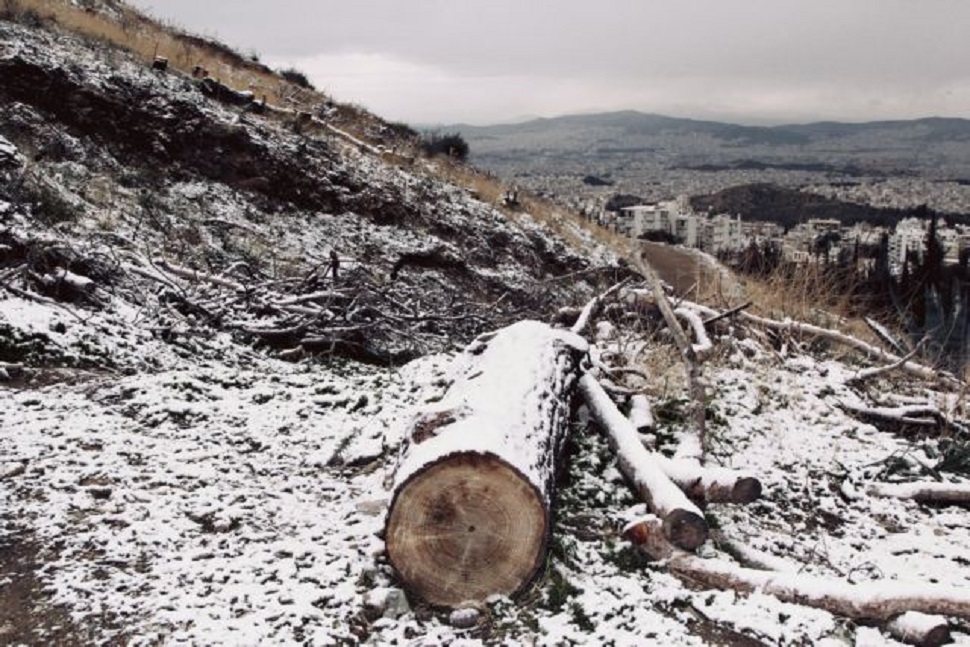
point(887, 337)
point(869, 373)
point(703, 344)
point(593, 306)
point(923, 492)
point(879, 601)
point(194, 275)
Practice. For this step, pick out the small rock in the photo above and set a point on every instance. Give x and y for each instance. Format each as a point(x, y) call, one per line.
point(386, 603)
point(465, 618)
point(371, 508)
point(396, 604)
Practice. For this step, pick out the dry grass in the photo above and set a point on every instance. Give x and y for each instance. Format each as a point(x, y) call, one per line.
point(809, 296)
point(561, 221)
point(147, 38)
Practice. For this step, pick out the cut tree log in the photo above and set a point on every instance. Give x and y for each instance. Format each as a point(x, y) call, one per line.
point(470, 511)
point(711, 484)
point(880, 601)
point(683, 522)
point(920, 629)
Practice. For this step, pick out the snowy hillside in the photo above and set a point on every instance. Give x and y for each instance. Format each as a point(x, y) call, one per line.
point(201, 414)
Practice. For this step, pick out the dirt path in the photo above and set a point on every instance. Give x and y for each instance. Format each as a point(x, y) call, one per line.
point(689, 271)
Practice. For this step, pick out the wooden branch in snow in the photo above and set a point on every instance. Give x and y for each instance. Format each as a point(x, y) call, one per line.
point(727, 313)
point(867, 349)
point(869, 373)
point(10, 371)
point(683, 522)
point(470, 514)
point(711, 484)
point(703, 344)
point(194, 275)
point(887, 337)
point(695, 384)
point(920, 629)
point(914, 415)
point(593, 306)
point(879, 601)
point(640, 415)
point(933, 492)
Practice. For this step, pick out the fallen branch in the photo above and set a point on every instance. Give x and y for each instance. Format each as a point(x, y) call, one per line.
point(869, 373)
point(711, 484)
point(683, 522)
point(695, 385)
point(194, 275)
point(728, 313)
point(593, 306)
point(932, 492)
point(880, 601)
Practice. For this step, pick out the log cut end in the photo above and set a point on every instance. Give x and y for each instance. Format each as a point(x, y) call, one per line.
point(467, 527)
point(747, 489)
point(685, 529)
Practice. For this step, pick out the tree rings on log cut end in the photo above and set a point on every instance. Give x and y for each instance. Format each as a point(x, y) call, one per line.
point(466, 527)
point(746, 490)
point(685, 529)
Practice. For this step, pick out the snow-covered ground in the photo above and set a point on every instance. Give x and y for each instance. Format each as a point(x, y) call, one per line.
point(240, 501)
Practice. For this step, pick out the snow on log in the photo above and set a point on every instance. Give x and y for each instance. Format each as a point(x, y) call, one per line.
point(703, 344)
point(923, 492)
point(683, 522)
point(879, 601)
point(640, 416)
point(711, 484)
point(470, 513)
point(920, 629)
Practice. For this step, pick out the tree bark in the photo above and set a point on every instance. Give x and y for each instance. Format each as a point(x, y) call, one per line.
point(683, 522)
point(470, 512)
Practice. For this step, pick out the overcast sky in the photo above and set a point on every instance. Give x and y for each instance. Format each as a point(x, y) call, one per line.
point(488, 61)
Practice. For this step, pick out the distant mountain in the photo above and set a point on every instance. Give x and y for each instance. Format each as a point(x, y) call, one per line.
point(931, 143)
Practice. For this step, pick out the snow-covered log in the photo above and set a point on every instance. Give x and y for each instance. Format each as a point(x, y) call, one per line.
point(711, 484)
point(920, 629)
point(879, 601)
point(640, 416)
point(470, 515)
point(683, 522)
point(923, 492)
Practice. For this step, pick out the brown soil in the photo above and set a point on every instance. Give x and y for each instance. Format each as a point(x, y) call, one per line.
point(683, 270)
point(27, 616)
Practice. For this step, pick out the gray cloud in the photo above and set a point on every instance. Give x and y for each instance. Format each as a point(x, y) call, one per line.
point(489, 60)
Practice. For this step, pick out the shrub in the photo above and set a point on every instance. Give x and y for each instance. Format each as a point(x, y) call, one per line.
point(451, 144)
point(296, 77)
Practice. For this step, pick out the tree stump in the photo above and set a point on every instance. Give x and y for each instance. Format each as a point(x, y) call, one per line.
point(469, 517)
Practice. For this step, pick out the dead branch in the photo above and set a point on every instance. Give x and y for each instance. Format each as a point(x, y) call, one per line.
point(683, 522)
point(879, 601)
point(869, 373)
point(687, 353)
point(593, 306)
point(931, 492)
point(728, 313)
